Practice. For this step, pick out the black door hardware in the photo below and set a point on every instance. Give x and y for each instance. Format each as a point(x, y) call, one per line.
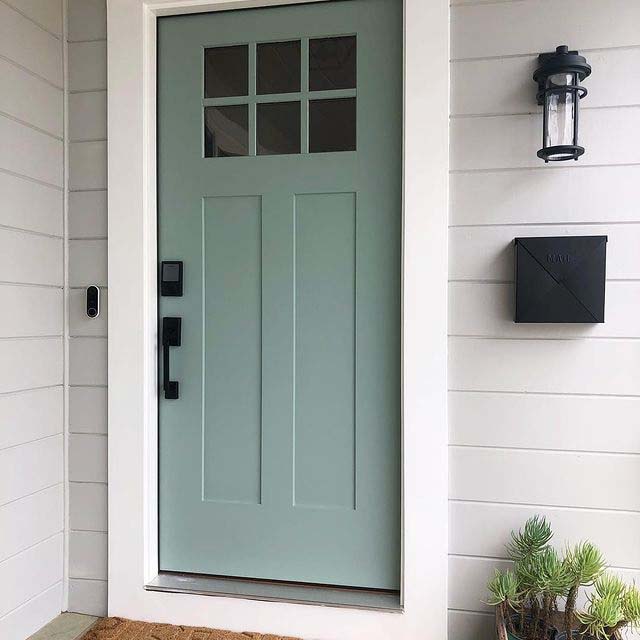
point(171, 337)
point(171, 278)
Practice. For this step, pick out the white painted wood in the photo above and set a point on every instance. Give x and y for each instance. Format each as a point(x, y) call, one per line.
point(609, 135)
point(30, 415)
point(88, 116)
point(487, 309)
point(545, 422)
point(587, 194)
point(79, 323)
point(88, 596)
point(132, 326)
point(30, 520)
point(88, 410)
point(547, 366)
point(88, 214)
point(470, 625)
point(483, 529)
point(28, 468)
point(600, 481)
point(28, 205)
point(35, 311)
point(30, 46)
point(486, 253)
point(88, 555)
point(508, 28)
point(30, 99)
point(33, 615)
point(87, 458)
point(30, 259)
point(30, 572)
point(87, 263)
point(87, 66)
point(505, 85)
point(46, 13)
point(87, 165)
point(87, 20)
point(88, 361)
point(29, 152)
point(30, 363)
point(87, 506)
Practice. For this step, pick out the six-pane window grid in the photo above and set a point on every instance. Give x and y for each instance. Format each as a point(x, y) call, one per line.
point(287, 97)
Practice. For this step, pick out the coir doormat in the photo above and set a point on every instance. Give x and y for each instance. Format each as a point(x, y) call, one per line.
point(122, 629)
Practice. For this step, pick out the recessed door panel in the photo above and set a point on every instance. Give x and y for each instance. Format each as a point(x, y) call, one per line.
point(279, 189)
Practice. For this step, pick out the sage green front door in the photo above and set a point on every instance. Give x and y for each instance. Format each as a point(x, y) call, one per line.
point(279, 188)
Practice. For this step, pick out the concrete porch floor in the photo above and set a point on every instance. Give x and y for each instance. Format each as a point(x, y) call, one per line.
point(67, 626)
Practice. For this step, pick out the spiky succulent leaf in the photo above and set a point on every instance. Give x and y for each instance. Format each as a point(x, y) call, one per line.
point(584, 563)
point(602, 614)
point(503, 588)
point(531, 539)
point(610, 585)
point(631, 606)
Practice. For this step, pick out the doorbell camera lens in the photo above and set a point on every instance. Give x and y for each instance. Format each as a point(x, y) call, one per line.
point(93, 301)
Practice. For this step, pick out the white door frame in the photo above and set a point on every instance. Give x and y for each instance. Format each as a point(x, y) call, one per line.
point(133, 536)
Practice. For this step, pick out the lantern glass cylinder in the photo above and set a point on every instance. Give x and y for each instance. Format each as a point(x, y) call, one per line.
point(561, 106)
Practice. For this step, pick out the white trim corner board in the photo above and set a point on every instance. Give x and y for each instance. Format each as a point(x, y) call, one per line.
point(133, 537)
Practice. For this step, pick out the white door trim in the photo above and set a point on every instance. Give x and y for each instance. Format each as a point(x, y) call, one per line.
point(132, 341)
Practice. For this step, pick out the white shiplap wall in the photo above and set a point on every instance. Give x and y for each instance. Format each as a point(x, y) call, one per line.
point(31, 326)
point(543, 419)
point(87, 343)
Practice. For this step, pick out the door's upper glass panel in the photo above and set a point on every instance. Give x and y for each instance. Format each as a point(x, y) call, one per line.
point(226, 71)
point(278, 128)
point(332, 125)
point(226, 131)
point(332, 63)
point(278, 67)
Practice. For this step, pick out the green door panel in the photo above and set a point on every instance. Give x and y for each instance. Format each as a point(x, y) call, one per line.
point(281, 458)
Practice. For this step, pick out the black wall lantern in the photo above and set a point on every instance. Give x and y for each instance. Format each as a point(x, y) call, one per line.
point(558, 76)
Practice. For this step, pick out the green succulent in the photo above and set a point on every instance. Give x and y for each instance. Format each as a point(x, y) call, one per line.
point(610, 585)
point(584, 563)
point(530, 540)
point(503, 588)
point(631, 606)
point(602, 615)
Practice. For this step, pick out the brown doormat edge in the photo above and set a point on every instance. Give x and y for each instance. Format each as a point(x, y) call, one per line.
point(123, 629)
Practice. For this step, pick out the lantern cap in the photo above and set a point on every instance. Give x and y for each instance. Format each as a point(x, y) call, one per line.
point(561, 61)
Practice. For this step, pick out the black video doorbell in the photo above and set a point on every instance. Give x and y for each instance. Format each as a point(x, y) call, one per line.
point(93, 301)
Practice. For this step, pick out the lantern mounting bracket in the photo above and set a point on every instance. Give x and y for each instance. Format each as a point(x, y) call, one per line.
point(559, 61)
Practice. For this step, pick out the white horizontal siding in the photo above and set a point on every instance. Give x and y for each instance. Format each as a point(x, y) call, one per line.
point(486, 253)
point(88, 506)
point(88, 555)
point(88, 410)
point(88, 116)
point(34, 614)
point(88, 596)
point(31, 571)
point(30, 363)
point(35, 311)
point(88, 361)
point(560, 422)
point(88, 214)
point(45, 13)
point(87, 66)
point(87, 165)
point(470, 624)
point(87, 458)
point(31, 99)
point(30, 520)
point(29, 205)
point(87, 263)
point(487, 309)
point(87, 20)
point(30, 259)
point(30, 467)
point(30, 415)
point(28, 45)
point(532, 26)
point(30, 153)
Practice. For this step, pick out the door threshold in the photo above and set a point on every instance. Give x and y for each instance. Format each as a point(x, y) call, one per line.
point(271, 591)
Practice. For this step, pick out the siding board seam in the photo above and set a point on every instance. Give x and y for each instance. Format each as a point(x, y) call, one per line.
point(543, 506)
point(30, 72)
point(32, 493)
point(484, 336)
point(30, 232)
point(57, 36)
point(26, 442)
point(576, 167)
point(589, 452)
point(26, 602)
point(31, 546)
point(22, 176)
point(29, 125)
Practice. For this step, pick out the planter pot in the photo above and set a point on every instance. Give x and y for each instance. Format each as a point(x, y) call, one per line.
point(575, 635)
point(504, 634)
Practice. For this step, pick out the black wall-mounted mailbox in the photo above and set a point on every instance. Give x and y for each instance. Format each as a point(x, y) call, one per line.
point(560, 279)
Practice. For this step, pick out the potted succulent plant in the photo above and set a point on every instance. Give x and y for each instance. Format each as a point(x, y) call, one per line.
point(527, 597)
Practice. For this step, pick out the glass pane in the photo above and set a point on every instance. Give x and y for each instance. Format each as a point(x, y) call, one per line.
point(226, 131)
point(332, 125)
point(332, 63)
point(226, 71)
point(278, 128)
point(278, 67)
point(561, 111)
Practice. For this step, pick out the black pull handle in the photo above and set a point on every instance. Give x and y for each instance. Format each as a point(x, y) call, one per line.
point(171, 337)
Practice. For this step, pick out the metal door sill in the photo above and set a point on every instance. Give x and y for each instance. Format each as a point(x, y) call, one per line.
point(270, 591)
